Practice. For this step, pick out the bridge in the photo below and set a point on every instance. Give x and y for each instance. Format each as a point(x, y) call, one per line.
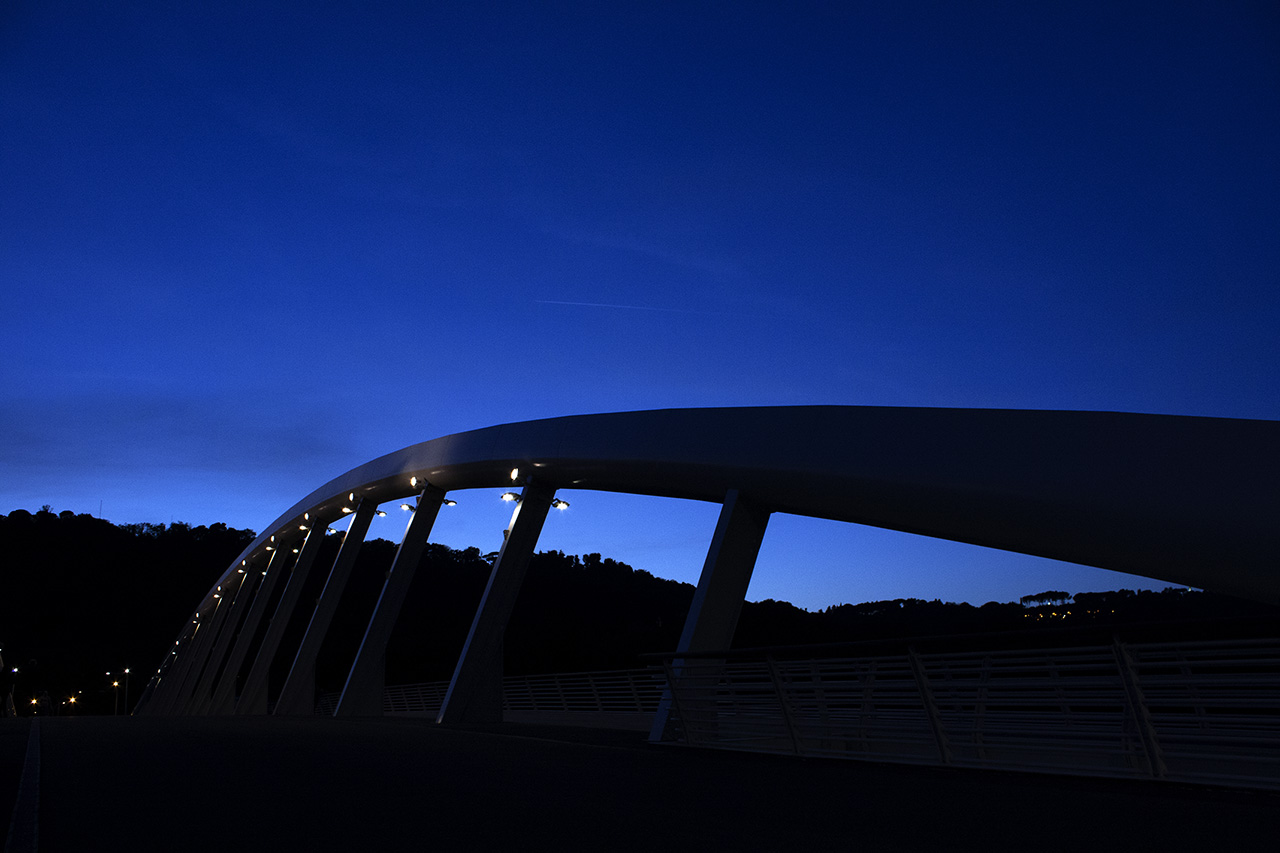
point(312, 783)
point(1190, 500)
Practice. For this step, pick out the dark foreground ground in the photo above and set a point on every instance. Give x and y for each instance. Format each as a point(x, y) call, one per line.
point(121, 783)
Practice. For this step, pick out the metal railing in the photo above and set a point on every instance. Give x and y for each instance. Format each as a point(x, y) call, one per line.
point(605, 692)
point(1205, 712)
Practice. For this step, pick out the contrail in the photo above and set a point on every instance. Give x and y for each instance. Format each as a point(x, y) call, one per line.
point(625, 307)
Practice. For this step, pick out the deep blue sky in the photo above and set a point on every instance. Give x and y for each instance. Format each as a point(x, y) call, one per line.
point(246, 247)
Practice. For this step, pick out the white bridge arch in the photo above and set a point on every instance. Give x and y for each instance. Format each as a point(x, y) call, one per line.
point(1190, 500)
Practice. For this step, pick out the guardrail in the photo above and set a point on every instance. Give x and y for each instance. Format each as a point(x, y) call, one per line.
point(1202, 712)
point(1205, 712)
point(605, 692)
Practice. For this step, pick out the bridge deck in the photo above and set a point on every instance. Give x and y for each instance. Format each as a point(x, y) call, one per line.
point(323, 784)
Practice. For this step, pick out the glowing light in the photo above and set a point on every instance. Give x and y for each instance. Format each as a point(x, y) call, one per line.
point(559, 504)
point(380, 514)
point(302, 527)
point(511, 496)
point(413, 481)
point(351, 497)
point(406, 507)
point(515, 473)
point(450, 502)
point(306, 516)
point(347, 509)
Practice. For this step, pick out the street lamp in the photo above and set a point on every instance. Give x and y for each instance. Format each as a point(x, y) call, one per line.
point(115, 690)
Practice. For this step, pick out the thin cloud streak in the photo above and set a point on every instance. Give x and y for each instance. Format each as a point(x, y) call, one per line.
point(624, 307)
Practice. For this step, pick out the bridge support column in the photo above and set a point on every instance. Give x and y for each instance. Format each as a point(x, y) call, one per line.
point(169, 679)
point(362, 694)
point(224, 695)
point(475, 692)
point(298, 694)
point(240, 605)
point(722, 587)
point(206, 637)
point(253, 698)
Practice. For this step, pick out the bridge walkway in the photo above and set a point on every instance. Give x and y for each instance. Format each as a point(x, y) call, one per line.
point(301, 783)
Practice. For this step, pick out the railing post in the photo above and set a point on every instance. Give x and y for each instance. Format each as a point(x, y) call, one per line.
point(788, 716)
point(674, 695)
point(930, 706)
point(868, 707)
point(980, 709)
point(1138, 707)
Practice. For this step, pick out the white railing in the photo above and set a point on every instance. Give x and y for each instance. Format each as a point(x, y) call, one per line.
point(613, 691)
point(1202, 712)
point(606, 692)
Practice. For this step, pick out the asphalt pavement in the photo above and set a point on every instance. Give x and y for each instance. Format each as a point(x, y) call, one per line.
point(248, 784)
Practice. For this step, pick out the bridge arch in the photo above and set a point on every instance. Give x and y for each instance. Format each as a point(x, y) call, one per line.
point(1194, 501)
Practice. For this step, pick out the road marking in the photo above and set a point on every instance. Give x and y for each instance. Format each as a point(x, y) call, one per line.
point(24, 828)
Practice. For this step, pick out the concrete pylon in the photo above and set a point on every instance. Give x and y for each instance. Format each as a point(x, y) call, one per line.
point(362, 694)
point(253, 698)
point(475, 692)
point(722, 587)
point(298, 694)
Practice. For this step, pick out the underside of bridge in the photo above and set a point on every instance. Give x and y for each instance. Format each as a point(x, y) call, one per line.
point(1194, 501)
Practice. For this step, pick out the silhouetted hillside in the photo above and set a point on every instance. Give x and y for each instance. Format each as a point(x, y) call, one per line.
point(82, 597)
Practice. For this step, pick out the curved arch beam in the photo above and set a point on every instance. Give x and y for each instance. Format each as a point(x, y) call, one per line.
point(1189, 500)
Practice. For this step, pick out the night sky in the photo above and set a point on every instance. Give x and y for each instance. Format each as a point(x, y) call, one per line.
point(246, 247)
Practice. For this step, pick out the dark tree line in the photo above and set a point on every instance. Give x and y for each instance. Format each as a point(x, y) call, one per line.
point(80, 597)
